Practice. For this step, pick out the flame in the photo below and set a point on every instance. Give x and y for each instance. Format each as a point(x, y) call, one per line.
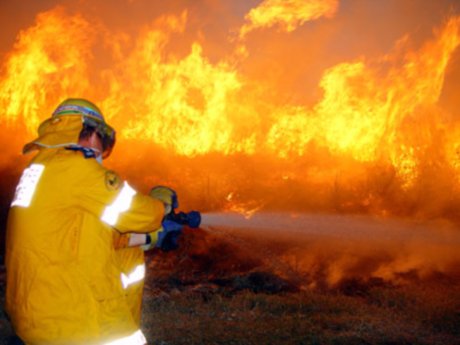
point(362, 112)
point(247, 209)
point(188, 100)
point(360, 108)
point(288, 14)
point(42, 67)
point(375, 128)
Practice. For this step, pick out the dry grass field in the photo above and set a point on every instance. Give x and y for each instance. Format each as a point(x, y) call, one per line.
point(416, 314)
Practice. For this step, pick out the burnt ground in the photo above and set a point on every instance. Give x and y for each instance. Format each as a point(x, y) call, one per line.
point(229, 286)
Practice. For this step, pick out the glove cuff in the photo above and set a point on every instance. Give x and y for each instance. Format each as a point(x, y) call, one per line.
point(151, 240)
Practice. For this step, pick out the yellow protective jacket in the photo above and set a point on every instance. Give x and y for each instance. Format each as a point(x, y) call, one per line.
point(63, 277)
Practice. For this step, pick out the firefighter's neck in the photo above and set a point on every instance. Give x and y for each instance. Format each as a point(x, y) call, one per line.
point(93, 142)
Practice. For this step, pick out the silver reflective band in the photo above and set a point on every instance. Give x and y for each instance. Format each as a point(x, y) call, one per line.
point(136, 338)
point(135, 276)
point(27, 185)
point(78, 108)
point(121, 204)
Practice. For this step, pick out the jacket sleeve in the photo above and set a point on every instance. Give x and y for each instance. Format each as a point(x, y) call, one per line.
point(120, 240)
point(117, 204)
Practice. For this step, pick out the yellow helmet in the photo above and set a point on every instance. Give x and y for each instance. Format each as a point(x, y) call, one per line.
point(92, 117)
point(63, 128)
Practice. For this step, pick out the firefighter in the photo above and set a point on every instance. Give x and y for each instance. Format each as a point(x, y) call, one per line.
point(64, 282)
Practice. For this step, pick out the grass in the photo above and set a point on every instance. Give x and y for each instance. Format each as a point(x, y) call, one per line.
point(426, 313)
point(385, 315)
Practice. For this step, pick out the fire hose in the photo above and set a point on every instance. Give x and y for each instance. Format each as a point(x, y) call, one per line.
point(191, 219)
point(172, 228)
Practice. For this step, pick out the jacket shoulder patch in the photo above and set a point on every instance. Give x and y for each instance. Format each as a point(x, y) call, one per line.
point(112, 180)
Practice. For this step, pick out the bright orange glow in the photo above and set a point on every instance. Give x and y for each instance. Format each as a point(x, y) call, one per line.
point(43, 65)
point(190, 114)
point(288, 14)
point(188, 100)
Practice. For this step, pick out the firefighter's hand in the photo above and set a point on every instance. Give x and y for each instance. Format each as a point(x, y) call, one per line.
point(168, 236)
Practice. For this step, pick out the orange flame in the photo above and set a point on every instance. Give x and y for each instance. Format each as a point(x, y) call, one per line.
point(44, 65)
point(247, 209)
point(288, 14)
point(376, 129)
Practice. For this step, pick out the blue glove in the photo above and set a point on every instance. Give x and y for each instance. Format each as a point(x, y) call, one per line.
point(168, 236)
